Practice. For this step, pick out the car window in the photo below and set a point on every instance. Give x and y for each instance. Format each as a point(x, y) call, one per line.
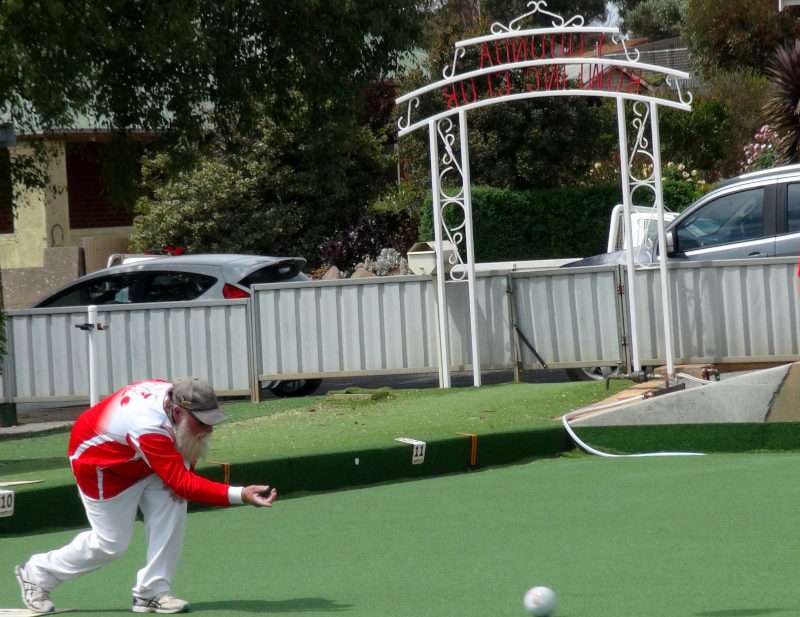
point(114, 289)
point(793, 208)
point(732, 218)
point(172, 286)
point(273, 273)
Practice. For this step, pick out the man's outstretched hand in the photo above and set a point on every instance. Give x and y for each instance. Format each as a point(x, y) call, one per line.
point(259, 495)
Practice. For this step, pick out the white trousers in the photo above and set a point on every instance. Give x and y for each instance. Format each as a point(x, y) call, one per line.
point(112, 522)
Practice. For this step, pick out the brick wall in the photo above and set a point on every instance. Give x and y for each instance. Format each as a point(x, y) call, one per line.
point(89, 206)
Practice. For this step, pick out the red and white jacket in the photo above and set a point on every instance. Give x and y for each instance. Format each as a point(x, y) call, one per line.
point(128, 436)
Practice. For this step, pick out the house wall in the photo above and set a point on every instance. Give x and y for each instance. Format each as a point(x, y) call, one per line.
point(24, 247)
point(44, 252)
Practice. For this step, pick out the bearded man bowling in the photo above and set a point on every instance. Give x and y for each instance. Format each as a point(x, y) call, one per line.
point(137, 449)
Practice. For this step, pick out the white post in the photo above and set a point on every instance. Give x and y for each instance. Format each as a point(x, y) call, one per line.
point(444, 339)
point(626, 201)
point(666, 301)
point(473, 305)
point(92, 321)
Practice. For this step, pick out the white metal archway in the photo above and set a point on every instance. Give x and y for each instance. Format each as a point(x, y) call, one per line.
point(565, 58)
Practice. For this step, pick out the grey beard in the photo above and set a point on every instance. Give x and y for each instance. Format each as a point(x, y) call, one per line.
point(191, 447)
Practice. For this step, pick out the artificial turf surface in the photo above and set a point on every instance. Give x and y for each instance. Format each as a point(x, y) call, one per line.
point(712, 536)
point(313, 425)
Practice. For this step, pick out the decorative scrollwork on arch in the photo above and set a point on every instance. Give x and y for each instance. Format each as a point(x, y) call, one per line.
point(539, 6)
point(675, 84)
point(451, 164)
point(641, 165)
point(403, 122)
point(631, 56)
point(450, 71)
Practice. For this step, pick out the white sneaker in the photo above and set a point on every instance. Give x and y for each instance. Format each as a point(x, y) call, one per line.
point(33, 596)
point(162, 603)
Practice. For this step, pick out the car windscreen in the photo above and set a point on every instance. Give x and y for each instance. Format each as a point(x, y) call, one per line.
point(273, 273)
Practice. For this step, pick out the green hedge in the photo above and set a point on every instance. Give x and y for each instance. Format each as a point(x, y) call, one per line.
point(535, 224)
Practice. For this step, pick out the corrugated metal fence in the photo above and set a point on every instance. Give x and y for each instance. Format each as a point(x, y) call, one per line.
point(348, 327)
point(726, 311)
point(722, 312)
point(49, 355)
point(388, 325)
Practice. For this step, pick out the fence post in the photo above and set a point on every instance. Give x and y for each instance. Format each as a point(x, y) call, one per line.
point(623, 308)
point(516, 355)
point(253, 340)
point(8, 408)
point(92, 320)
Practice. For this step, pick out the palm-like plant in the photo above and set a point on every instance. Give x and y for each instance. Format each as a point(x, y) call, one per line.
point(783, 106)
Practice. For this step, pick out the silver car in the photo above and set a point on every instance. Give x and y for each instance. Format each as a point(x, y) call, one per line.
point(753, 215)
point(182, 278)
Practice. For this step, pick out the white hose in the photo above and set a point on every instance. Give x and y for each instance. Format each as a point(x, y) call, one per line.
point(688, 377)
point(584, 446)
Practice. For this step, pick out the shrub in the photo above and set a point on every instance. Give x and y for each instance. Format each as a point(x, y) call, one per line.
point(761, 153)
point(281, 189)
point(536, 224)
point(680, 185)
point(744, 93)
point(701, 139)
point(371, 233)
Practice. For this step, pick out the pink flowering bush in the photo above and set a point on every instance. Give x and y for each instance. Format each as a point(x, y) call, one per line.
point(761, 152)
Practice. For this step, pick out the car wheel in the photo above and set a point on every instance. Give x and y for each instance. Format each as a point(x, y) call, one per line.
point(296, 387)
point(592, 373)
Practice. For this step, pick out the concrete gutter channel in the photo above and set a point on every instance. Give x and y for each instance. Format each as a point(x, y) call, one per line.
point(753, 411)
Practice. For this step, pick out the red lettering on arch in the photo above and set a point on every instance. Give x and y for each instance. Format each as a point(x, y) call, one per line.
point(519, 49)
point(497, 52)
point(595, 77)
point(486, 56)
point(555, 79)
point(600, 44)
point(450, 97)
point(635, 82)
point(474, 92)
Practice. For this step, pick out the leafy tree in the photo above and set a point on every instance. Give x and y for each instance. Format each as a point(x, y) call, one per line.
point(656, 18)
point(183, 64)
point(185, 67)
point(279, 189)
point(454, 20)
point(545, 142)
point(735, 34)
